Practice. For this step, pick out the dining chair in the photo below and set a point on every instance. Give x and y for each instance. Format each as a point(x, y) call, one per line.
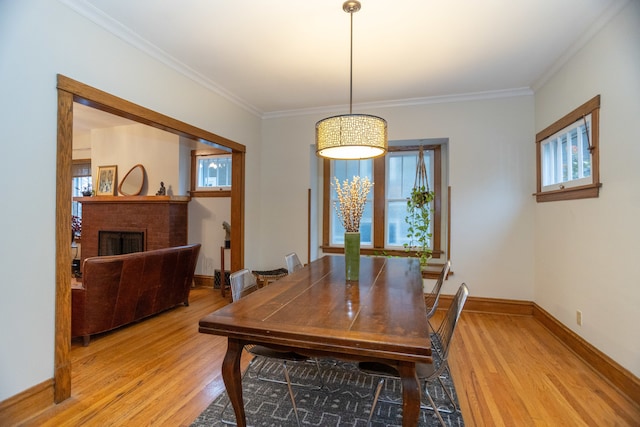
point(293, 262)
point(431, 300)
point(427, 372)
point(243, 283)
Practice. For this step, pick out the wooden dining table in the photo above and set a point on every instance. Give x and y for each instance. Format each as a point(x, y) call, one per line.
point(316, 312)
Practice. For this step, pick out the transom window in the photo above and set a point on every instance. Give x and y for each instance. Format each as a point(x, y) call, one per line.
point(383, 228)
point(210, 173)
point(214, 172)
point(567, 156)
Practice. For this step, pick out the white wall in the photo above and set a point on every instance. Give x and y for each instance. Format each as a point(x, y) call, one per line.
point(81, 145)
point(126, 146)
point(39, 39)
point(587, 250)
point(492, 174)
point(206, 215)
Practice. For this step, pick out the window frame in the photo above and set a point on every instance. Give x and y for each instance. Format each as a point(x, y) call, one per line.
point(379, 202)
point(202, 191)
point(569, 191)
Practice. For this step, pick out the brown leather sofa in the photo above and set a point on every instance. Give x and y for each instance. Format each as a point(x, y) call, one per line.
point(121, 289)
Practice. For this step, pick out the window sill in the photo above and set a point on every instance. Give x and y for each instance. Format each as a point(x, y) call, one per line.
point(215, 193)
point(401, 253)
point(572, 193)
point(432, 271)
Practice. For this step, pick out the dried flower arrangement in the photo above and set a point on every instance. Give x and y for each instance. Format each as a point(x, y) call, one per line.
point(351, 200)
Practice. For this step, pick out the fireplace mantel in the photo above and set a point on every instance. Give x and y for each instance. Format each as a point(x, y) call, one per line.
point(133, 199)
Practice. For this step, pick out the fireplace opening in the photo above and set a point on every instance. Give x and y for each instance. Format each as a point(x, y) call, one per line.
point(120, 242)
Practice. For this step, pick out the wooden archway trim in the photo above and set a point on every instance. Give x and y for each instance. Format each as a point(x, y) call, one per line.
point(70, 91)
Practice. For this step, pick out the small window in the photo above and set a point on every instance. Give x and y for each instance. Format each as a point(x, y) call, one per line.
point(210, 174)
point(214, 172)
point(567, 156)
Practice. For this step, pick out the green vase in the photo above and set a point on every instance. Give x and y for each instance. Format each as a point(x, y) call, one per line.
point(352, 256)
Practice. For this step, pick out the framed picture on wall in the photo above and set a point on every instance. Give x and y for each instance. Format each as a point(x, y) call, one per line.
point(107, 181)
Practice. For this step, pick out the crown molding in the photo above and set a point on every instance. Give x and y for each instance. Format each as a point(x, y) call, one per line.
point(409, 102)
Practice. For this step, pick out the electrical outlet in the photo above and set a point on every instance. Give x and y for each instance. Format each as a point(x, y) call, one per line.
point(579, 318)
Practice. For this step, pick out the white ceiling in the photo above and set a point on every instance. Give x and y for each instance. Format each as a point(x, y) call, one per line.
point(86, 119)
point(275, 57)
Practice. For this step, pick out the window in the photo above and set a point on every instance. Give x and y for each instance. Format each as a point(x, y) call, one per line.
point(343, 170)
point(401, 167)
point(210, 174)
point(214, 172)
point(80, 182)
point(383, 228)
point(567, 156)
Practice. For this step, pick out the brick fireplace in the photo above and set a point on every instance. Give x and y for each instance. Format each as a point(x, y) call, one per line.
point(162, 220)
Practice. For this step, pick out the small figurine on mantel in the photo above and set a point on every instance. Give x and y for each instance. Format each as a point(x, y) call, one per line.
point(227, 236)
point(162, 191)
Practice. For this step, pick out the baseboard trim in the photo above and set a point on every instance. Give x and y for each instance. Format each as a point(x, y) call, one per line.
point(617, 375)
point(200, 280)
point(491, 305)
point(26, 404)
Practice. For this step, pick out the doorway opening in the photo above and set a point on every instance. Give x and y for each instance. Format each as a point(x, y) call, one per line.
point(70, 91)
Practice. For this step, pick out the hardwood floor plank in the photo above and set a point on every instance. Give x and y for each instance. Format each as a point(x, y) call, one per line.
point(508, 370)
point(511, 368)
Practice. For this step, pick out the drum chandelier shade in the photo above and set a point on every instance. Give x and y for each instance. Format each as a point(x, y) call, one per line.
point(351, 136)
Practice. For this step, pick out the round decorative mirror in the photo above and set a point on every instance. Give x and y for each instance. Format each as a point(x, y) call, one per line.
point(133, 181)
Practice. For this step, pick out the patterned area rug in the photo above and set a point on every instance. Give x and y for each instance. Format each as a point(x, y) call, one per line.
point(345, 400)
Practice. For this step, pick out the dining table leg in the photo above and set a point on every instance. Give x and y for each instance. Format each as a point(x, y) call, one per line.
point(233, 379)
point(410, 394)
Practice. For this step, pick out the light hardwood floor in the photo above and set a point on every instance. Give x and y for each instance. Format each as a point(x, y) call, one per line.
point(508, 371)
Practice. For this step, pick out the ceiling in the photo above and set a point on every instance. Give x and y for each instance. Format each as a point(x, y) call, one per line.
point(85, 119)
point(280, 57)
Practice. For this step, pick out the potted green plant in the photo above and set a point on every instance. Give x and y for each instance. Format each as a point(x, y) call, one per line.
point(419, 214)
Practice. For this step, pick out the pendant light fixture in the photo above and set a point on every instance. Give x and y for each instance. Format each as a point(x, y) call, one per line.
point(351, 136)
